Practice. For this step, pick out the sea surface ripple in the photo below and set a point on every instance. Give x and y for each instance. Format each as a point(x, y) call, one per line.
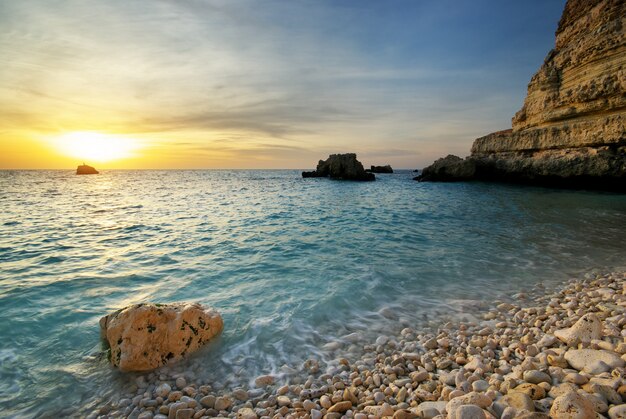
point(299, 268)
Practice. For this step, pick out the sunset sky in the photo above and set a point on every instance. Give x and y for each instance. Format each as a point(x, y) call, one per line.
point(261, 84)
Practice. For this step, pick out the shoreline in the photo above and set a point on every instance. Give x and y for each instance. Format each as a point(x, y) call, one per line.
point(510, 364)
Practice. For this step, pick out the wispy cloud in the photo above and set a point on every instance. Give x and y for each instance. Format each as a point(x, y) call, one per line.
point(320, 75)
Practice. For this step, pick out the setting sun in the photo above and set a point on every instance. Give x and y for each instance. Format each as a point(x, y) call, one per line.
point(95, 146)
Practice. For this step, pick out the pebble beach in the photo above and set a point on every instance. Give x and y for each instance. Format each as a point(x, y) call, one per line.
point(551, 355)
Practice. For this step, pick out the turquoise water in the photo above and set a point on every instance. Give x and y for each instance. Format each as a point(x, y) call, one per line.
point(299, 268)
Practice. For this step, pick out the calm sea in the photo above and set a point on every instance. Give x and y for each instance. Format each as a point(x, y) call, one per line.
point(299, 268)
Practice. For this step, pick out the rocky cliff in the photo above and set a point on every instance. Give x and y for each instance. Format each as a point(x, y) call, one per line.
point(571, 128)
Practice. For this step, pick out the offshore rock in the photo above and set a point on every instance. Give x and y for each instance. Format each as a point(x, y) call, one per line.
point(84, 169)
point(381, 169)
point(449, 168)
point(571, 129)
point(143, 337)
point(340, 167)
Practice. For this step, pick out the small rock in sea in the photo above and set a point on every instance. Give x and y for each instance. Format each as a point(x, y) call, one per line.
point(586, 329)
point(381, 169)
point(316, 414)
point(85, 169)
point(341, 166)
point(283, 401)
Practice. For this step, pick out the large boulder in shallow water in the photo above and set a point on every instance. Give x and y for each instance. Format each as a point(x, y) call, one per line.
point(143, 337)
point(341, 167)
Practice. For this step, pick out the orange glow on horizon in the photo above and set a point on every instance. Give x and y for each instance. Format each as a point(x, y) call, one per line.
point(95, 146)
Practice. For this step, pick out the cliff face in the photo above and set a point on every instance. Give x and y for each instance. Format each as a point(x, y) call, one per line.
point(571, 128)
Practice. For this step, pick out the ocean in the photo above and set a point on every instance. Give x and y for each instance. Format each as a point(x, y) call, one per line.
point(299, 268)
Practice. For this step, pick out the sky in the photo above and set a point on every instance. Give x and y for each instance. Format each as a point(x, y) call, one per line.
point(261, 84)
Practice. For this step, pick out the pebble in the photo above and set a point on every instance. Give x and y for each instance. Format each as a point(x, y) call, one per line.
point(222, 403)
point(208, 401)
point(181, 383)
point(378, 397)
point(467, 411)
point(480, 385)
point(536, 377)
point(518, 401)
point(308, 405)
point(586, 329)
point(240, 394)
point(264, 380)
point(185, 414)
point(163, 390)
point(571, 405)
point(340, 407)
point(618, 412)
point(246, 413)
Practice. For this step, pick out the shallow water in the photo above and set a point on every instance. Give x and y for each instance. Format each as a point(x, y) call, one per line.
point(292, 264)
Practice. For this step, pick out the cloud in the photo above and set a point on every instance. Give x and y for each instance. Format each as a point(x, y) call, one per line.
point(320, 74)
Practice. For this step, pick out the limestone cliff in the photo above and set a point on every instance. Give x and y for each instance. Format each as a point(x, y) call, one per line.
point(571, 128)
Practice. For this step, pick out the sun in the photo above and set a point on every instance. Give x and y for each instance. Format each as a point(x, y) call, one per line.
point(95, 146)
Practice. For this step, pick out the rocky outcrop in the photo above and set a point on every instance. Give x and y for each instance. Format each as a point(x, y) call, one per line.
point(84, 169)
point(381, 169)
point(340, 167)
point(571, 128)
point(449, 168)
point(142, 337)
